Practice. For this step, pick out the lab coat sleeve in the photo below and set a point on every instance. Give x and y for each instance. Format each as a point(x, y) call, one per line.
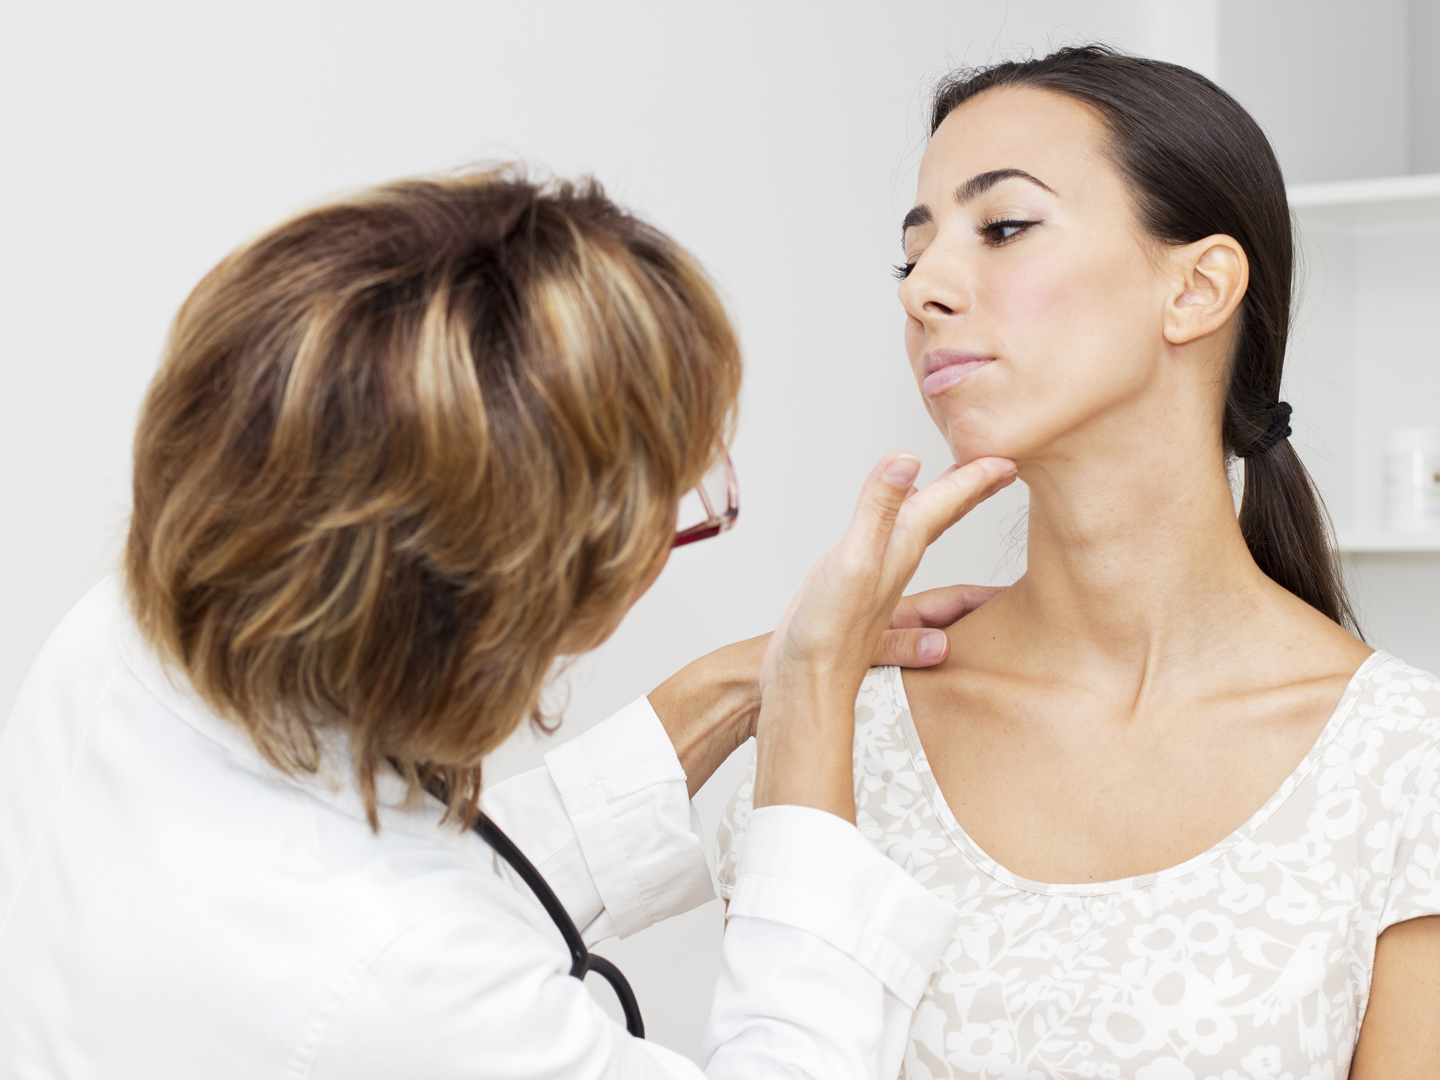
point(827, 952)
point(828, 949)
point(480, 995)
point(609, 824)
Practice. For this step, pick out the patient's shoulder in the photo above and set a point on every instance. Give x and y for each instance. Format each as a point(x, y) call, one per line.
point(879, 708)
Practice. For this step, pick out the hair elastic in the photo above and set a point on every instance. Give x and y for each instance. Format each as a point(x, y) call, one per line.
point(1277, 428)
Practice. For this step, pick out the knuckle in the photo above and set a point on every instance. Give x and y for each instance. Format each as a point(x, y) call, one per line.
point(851, 563)
point(894, 647)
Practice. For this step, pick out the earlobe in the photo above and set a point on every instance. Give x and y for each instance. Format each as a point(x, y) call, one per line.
point(1211, 278)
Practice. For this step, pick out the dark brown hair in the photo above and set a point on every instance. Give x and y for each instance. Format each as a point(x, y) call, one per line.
point(1198, 165)
point(406, 449)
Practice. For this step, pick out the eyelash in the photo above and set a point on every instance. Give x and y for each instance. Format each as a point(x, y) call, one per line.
point(988, 232)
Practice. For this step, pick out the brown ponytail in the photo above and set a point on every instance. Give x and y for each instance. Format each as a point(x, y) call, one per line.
point(1198, 165)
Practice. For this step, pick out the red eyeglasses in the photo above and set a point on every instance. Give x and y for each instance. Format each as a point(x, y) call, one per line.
point(711, 508)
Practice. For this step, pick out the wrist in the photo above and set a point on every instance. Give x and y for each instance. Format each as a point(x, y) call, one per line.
point(710, 707)
point(807, 695)
point(806, 736)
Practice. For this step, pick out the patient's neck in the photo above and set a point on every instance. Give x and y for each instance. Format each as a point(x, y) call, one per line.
point(1135, 565)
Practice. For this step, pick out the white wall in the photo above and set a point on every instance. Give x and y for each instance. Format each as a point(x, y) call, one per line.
point(778, 141)
point(1423, 114)
point(1327, 79)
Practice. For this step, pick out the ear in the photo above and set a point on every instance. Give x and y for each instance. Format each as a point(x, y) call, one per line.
point(1210, 278)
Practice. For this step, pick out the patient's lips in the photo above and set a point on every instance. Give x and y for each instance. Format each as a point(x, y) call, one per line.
point(944, 368)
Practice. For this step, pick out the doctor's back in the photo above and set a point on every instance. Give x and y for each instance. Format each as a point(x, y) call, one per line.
point(168, 898)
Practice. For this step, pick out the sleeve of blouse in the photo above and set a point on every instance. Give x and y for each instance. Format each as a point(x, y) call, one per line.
point(608, 823)
point(1415, 875)
point(730, 837)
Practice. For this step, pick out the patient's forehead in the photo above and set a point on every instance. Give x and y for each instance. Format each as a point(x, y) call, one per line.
point(1051, 136)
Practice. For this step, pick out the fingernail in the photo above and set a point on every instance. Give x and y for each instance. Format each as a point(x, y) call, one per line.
point(902, 471)
point(932, 646)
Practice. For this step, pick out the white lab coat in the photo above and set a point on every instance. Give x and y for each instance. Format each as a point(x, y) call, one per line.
point(172, 907)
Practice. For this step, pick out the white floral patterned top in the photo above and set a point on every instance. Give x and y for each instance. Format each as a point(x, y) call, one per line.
point(1250, 961)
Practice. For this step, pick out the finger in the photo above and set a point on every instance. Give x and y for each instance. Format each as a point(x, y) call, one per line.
point(925, 516)
point(911, 648)
point(886, 489)
point(941, 607)
point(954, 494)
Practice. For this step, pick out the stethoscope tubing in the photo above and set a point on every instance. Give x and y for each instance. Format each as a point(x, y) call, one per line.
point(582, 960)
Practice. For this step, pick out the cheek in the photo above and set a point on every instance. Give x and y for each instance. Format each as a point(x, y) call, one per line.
point(914, 343)
point(1038, 307)
point(1077, 330)
point(1073, 335)
point(915, 350)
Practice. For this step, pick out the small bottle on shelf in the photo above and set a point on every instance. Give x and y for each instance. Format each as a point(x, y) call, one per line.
point(1412, 480)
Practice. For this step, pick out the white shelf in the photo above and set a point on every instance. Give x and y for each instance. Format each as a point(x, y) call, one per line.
point(1354, 192)
point(1363, 357)
point(1381, 201)
point(1360, 543)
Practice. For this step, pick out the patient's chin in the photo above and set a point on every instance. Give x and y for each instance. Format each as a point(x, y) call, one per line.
point(968, 450)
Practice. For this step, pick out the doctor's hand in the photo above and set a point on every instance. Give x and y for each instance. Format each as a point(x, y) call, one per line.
point(709, 707)
point(916, 636)
point(815, 662)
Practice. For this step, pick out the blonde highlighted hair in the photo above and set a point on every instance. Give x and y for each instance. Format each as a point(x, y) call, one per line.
point(406, 449)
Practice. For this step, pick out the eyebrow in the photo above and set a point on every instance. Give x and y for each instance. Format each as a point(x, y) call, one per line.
point(972, 189)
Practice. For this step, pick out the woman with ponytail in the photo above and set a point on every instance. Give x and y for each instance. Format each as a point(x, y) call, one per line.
point(1188, 819)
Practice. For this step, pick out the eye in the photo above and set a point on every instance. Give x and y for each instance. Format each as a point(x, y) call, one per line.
point(902, 270)
point(996, 233)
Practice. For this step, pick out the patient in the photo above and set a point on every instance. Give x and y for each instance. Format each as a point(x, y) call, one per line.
point(1176, 800)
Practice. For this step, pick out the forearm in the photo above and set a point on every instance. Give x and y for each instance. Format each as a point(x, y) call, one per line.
point(806, 745)
point(709, 708)
point(712, 706)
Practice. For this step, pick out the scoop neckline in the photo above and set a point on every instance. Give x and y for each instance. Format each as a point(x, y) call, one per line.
point(982, 861)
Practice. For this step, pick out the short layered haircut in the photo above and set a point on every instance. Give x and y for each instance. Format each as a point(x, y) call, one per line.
point(405, 450)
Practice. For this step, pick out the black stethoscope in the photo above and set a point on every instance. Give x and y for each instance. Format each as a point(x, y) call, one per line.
point(582, 961)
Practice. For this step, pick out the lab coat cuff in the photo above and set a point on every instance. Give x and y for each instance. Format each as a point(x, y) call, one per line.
point(813, 871)
point(624, 790)
point(530, 811)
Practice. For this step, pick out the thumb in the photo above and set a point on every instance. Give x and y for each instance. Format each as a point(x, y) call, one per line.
point(886, 490)
point(911, 648)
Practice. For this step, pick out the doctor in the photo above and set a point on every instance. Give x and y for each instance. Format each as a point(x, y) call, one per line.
point(403, 452)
